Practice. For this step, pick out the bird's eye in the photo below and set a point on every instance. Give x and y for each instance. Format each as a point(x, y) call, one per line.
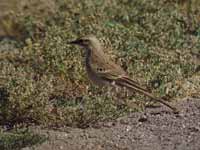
point(100, 69)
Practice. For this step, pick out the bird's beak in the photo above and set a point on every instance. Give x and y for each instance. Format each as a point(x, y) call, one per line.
point(78, 42)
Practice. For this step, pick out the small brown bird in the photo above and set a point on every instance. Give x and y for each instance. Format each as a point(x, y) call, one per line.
point(104, 72)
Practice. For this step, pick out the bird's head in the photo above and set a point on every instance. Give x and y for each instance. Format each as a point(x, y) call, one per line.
point(89, 42)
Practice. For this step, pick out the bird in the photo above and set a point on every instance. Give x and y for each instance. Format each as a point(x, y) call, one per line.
point(104, 72)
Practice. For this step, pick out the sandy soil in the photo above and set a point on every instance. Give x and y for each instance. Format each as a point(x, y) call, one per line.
point(156, 129)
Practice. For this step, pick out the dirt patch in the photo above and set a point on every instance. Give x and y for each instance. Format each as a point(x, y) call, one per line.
point(154, 130)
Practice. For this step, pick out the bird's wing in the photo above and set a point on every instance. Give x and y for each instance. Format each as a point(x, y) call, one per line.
point(108, 74)
point(129, 83)
point(106, 69)
point(119, 79)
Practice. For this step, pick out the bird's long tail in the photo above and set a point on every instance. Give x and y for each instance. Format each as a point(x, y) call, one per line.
point(132, 85)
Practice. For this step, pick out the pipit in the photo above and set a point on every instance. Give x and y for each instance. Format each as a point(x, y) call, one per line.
point(102, 71)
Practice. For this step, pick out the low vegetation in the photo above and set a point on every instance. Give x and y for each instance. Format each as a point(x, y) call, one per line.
point(42, 78)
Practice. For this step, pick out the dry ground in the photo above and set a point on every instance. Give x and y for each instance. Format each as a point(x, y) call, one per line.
point(157, 129)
